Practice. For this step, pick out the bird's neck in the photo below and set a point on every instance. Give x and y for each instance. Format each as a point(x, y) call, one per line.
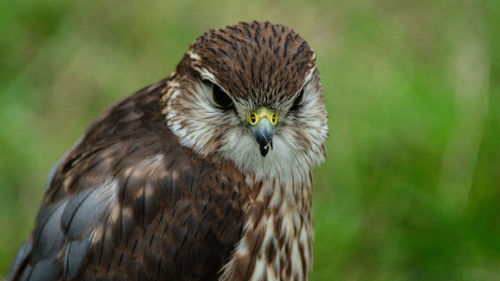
point(272, 192)
point(277, 235)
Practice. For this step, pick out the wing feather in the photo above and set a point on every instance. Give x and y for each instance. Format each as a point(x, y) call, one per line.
point(86, 209)
point(74, 255)
point(25, 274)
point(71, 226)
point(49, 237)
point(44, 270)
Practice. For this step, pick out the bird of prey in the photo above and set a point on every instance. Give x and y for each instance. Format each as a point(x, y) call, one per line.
point(204, 175)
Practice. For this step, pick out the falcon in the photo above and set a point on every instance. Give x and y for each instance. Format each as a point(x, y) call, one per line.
point(204, 175)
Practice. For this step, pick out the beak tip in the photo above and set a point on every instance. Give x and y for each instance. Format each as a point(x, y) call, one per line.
point(264, 149)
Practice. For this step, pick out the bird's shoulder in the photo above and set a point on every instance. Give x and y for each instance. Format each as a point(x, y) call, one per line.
point(131, 132)
point(127, 194)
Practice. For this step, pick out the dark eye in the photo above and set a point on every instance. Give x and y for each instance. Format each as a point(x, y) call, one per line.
point(220, 98)
point(297, 101)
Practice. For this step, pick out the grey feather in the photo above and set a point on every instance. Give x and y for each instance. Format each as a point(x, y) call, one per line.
point(25, 275)
point(73, 206)
point(45, 270)
point(21, 257)
point(48, 235)
point(85, 210)
point(74, 255)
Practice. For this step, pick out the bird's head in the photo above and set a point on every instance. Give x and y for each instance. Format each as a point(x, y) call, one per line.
point(250, 93)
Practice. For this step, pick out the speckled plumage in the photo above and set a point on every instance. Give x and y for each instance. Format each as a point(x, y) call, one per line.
point(165, 185)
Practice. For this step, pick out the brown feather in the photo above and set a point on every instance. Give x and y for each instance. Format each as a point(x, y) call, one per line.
point(180, 218)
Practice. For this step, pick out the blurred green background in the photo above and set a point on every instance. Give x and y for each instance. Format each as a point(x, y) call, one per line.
point(411, 187)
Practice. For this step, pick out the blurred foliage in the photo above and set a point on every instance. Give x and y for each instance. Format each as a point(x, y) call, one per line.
point(411, 187)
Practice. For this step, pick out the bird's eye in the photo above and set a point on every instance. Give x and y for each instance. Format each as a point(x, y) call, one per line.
point(297, 101)
point(221, 99)
point(274, 119)
point(252, 118)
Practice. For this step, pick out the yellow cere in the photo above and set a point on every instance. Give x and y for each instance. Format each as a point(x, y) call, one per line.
point(255, 116)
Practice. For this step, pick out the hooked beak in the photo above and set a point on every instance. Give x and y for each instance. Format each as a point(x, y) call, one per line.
point(262, 127)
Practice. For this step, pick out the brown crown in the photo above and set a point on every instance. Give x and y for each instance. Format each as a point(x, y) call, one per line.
point(265, 61)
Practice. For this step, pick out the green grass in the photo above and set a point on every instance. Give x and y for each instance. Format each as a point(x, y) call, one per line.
point(411, 186)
